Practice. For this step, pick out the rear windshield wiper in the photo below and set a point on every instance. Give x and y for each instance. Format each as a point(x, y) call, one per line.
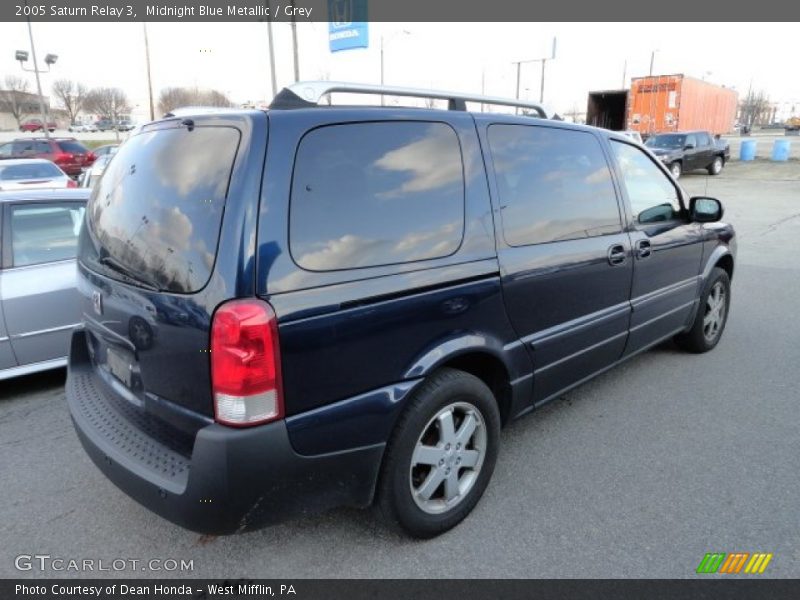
point(134, 278)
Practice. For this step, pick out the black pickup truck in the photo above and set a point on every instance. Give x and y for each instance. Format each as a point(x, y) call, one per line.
point(690, 150)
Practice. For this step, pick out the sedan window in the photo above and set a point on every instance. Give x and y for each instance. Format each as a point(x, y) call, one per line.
point(44, 233)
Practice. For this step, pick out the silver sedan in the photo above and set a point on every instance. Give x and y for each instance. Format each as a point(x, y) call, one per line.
point(39, 304)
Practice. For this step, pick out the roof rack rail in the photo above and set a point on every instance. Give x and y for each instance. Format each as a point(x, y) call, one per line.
point(305, 94)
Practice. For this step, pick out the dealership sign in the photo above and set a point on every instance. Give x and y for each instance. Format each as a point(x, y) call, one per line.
point(347, 24)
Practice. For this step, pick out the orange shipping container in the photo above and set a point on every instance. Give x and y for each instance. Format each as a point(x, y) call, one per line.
point(678, 103)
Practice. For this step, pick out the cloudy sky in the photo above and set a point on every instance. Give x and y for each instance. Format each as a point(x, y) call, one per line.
point(233, 57)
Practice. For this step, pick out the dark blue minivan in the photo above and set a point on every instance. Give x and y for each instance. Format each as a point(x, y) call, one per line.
point(313, 306)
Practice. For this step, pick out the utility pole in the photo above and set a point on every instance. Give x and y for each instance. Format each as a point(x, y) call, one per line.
point(652, 59)
point(541, 60)
point(149, 78)
point(273, 81)
point(624, 73)
point(42, 108)
point(294, 46)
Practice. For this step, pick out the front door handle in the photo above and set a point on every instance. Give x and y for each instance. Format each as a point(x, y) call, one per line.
point(616, 254)
point(643, 249)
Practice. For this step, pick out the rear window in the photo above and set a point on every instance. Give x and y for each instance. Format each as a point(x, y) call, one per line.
point(42, 170)
point(73, 147)
point(369, 194)
point(155, 215)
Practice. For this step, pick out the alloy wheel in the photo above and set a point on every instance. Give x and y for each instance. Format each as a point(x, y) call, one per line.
point(448, 457)
point(714, 317)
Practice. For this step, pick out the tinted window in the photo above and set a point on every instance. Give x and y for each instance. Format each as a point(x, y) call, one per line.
point(35, 170)
point(703, 139)
point(42, 148)
point(23, 146)
point(73, 147)
point(554, 184)
point(691, 141)
point(44, 232)
point(369, 194)
point(671, 140)
point(156, 212)
point(652, 196)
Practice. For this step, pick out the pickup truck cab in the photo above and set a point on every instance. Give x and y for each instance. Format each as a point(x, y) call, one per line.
point(313, 306)
point(688, 151)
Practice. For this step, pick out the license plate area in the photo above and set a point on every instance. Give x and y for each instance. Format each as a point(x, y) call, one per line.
point(120, 365)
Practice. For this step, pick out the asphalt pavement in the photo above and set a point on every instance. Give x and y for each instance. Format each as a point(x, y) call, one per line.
point(638, 473)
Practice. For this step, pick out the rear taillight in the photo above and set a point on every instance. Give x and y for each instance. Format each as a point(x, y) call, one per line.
point(62, 157)
point(245, 364)
point(90, 158)
point(71, 183)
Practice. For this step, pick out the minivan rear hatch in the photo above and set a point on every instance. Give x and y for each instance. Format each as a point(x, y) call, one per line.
point(146, 254)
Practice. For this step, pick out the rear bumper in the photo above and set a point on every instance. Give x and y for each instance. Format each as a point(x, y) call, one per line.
point(230, 480)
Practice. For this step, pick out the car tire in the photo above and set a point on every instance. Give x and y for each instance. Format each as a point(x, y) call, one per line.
point(715, 168)
point(424, 465)
point(676, 169)
point(712, 314)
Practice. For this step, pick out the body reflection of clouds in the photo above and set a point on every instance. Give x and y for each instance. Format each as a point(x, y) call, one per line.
point(431, 162)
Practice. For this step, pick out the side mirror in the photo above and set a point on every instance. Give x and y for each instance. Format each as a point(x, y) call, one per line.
point(703, 209)
point(688, 146)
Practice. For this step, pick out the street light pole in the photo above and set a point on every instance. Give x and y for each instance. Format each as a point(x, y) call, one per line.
point(149, 79)
point(42, 108)
point(383, 98)
point(273, 80)
point(294, 46)
point(652, 58)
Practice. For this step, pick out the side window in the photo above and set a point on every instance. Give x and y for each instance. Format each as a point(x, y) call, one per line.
point(369, 194)
point(691, 140)
point(22, 146)
point(554, 184)
point(652, 195)
point(42, 148)
point(703, 139)
point(6, 149)
point(42, 233)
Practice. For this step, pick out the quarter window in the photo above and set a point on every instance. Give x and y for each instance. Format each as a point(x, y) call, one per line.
point(652, 195)
point(369, 194)
point(44, 233)
point(554, 184)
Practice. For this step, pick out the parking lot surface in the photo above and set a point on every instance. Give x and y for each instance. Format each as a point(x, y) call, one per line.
point(638, 473)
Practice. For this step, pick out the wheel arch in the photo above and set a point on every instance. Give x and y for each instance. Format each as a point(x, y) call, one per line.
point(721, 257)
point(478, 355)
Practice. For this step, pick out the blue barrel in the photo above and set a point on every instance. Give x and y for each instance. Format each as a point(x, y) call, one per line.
point(748, 150)
point(781, 150)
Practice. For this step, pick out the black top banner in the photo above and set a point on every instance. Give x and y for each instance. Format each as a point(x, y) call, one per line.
point(394, 10)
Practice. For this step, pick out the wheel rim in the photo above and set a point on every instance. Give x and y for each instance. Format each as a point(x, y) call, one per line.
point(676, 170)
point(448, 457)
point(714, 316)
point(717, 165)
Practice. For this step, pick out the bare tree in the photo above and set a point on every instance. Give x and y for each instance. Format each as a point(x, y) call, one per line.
point(14, 97)
point(755, 108)
point(174, 97)
point(71, 95)
point(110, 103)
